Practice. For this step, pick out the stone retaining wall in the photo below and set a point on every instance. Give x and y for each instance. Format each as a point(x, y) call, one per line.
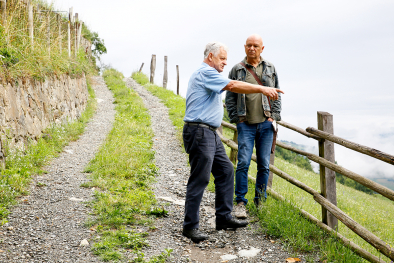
point(28, 107)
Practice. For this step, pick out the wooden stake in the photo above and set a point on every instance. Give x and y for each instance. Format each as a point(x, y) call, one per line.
point(30, 23)
point(49, 32)
point(70, 15)
point(234, 153)
point(59, 24)
point(75, 34)
point(328, 185)
point(177, 80)
point(141, 66)
point(3, 7)
point(152, 68)
point(165, 76)
point(79, 34)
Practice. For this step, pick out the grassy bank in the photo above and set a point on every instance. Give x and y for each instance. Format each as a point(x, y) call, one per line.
point(284, 220)
point(22, 58)
point(123, 171)
point(22, 165)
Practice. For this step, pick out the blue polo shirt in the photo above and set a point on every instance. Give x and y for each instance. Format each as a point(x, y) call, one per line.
point(203, 100)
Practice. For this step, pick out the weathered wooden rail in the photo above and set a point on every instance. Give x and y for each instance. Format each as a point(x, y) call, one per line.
point(327, 197)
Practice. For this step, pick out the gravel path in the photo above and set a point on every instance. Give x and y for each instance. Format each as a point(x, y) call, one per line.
point(243, 245)
point(47, 225)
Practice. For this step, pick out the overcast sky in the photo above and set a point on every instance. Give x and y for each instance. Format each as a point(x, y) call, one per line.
point(334, 56)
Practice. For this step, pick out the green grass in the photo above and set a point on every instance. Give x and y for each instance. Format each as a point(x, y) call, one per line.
point(123, 171)
point(22, 165)
point(373, 212)
point(20, 58)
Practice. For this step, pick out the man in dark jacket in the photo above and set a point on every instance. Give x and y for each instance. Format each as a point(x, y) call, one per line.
point(255, 116)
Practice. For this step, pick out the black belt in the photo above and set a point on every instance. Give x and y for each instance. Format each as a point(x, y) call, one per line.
point(201, 125)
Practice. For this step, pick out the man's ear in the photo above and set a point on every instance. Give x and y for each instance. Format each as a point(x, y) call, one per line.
point(262, 48)
point(210, 56)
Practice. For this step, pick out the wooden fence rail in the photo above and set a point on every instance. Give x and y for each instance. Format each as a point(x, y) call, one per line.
point(327, 204)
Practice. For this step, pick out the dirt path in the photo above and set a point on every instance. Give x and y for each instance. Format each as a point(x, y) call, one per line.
point(47, 225)
point(243, 245)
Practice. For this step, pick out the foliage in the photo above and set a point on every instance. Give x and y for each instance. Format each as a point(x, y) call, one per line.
point(123, 170)
point(19, 57)
point(22, 165)
point(294, 158)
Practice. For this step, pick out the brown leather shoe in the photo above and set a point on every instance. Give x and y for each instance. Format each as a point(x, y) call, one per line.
point(195, 235)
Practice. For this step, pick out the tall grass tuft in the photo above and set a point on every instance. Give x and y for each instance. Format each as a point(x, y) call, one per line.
point(47, 55)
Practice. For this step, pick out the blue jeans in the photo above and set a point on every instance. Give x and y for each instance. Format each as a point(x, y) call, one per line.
point(249, 134)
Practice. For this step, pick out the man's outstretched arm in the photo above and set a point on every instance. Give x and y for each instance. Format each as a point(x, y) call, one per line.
point(247, 88)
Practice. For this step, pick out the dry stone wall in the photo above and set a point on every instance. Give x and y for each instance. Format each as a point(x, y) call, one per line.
point(28, 106)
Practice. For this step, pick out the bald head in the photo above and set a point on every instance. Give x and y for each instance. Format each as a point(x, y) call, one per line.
point(253, 48)
point(255, 37)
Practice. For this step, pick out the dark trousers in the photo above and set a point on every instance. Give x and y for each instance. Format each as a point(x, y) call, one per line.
point(207, 155)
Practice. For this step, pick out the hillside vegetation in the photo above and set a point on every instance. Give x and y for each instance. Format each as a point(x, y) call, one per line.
point(283, 220)
point(21, 58)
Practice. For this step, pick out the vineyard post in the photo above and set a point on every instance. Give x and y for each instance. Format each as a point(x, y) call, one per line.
point(70, 13)
point(30, 22)
point(79, 34)
point(177, 80)
point(152, 68)
point(142, 65)
point(49, 32)
point(3, 7)
point(59, 24)
point(165, 76)
point(75, 34)
point(327, 176)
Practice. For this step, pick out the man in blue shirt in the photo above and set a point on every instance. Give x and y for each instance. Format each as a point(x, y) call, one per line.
point(204, 113)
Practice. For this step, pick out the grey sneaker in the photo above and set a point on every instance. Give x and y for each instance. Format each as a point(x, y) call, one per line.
point(240, 211)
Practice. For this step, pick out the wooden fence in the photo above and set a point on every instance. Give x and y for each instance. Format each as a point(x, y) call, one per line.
point(327, 197)
point(165, 75)
point(55, 23)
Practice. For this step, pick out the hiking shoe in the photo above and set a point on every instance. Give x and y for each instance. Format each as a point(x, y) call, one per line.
point(240, 211)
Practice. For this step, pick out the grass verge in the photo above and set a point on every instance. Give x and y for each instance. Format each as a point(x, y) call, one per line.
point(285, 221)
point(123, 170)
point(22, 165)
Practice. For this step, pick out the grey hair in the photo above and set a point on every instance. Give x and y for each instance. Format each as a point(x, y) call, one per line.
point(214, 48)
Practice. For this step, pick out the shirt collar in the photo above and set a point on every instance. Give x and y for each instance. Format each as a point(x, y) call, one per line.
point(246, 63)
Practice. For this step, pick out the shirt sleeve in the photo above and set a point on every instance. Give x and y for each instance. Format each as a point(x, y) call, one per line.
point(214, 81)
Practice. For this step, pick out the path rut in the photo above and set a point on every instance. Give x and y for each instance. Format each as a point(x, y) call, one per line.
point(243, 245)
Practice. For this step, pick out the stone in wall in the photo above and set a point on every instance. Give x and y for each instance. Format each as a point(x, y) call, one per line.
point(28, 107)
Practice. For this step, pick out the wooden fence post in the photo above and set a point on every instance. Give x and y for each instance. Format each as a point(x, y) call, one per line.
point(165, 76)
point(141, 66)
point(79, 34)
point(152, 68)
point(271, 176)
point(49, 32)
point(75, 34)
point(234, 153)
point(327, 176)
point(70, 13)
point(3, 6)
point(177, 80)
point(59, 24)
point(30, 22)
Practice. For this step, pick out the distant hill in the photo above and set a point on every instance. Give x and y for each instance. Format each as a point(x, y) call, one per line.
point(388, 182)
point(310, 149)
